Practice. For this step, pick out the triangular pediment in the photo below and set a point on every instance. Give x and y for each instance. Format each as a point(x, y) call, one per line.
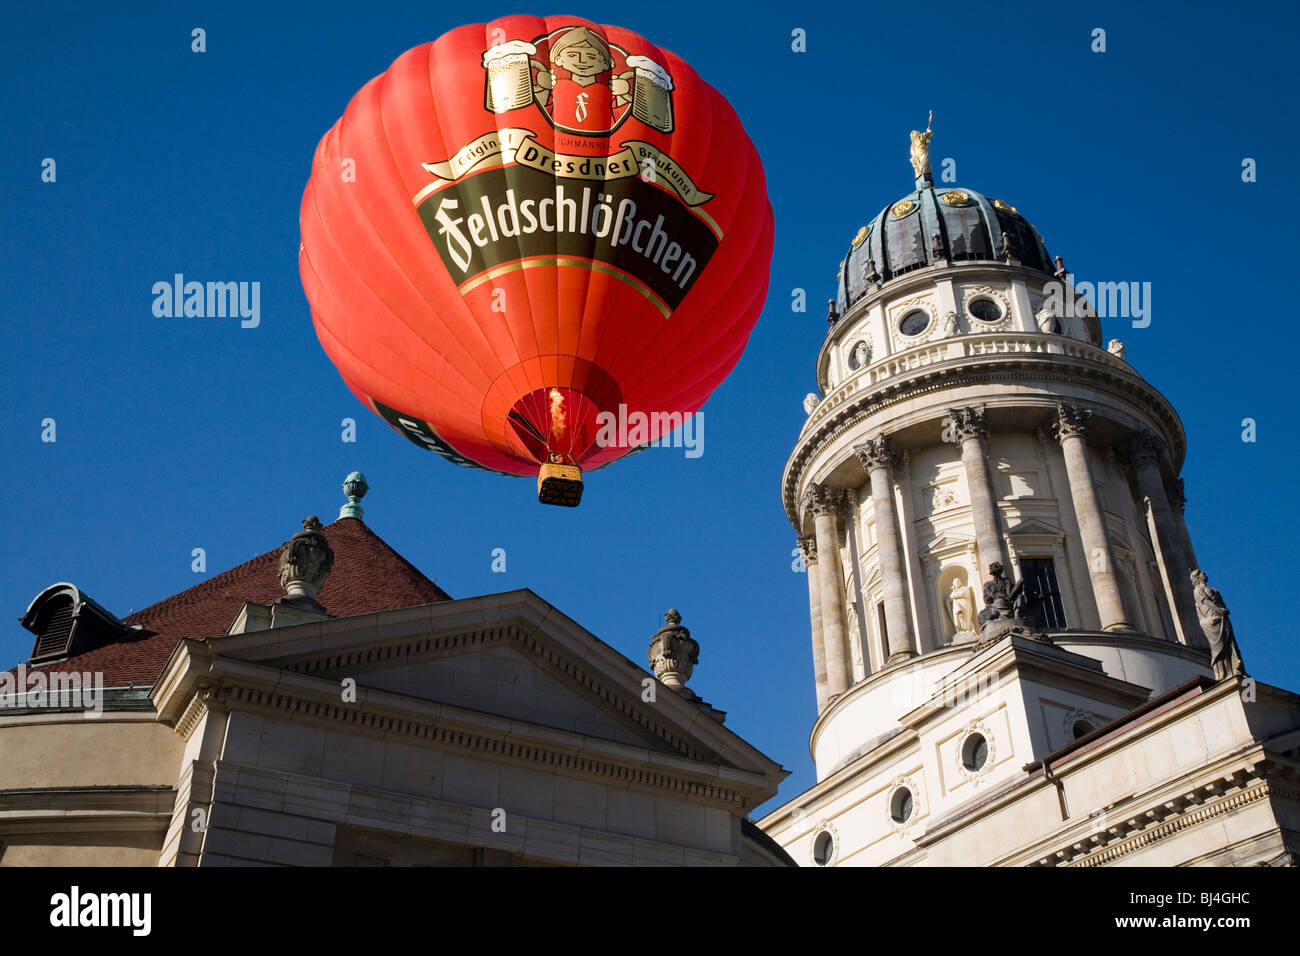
point(502, 660)
point(1034, 526)
point(497, 678)
point(948, 543)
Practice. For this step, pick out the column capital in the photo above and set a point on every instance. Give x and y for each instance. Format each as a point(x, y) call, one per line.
point(807, 545)
point(1071, 421)
point(878, 452)
point(824, 500)
point(1144, 448)
point(1176, 493)
point(968, 423)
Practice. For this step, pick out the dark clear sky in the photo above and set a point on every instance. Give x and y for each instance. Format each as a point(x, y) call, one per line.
point(175, 434)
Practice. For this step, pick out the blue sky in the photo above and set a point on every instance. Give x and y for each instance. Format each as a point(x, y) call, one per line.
point(182, 433)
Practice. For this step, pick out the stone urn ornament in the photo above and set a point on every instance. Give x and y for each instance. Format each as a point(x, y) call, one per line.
point(306, 560)
point(674, 654)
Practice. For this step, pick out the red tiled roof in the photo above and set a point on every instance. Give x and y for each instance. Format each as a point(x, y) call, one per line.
point(368, 576)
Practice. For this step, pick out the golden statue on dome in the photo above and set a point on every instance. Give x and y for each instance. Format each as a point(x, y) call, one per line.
point(920, 151)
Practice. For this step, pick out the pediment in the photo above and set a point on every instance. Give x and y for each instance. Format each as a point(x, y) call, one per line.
point(948, 543)
point(511, 659)
point(498, 679)
point(1034, 526)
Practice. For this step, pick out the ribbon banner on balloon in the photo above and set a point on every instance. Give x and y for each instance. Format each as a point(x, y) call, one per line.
point(512, 145)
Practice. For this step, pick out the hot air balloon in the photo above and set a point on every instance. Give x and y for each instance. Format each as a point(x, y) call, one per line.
point(529, 233)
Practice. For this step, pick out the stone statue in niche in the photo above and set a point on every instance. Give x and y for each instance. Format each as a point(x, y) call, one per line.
point(1213, 614)
point(950, 325)
point(961, 602)
point(810, 402)
point(855, 645)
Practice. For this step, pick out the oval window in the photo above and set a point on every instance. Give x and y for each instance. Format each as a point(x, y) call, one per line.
point(900, 805)
point(823, 848)
point(985, 310)
point(975, 752)
point(915, 322)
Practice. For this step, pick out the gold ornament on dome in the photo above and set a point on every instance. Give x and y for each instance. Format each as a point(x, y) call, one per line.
point(955, 197)
point(862, 235)
point(902, 208)
point(919, 154)
point(1005, 207)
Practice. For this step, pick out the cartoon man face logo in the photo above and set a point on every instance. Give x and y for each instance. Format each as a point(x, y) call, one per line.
point(583, 54)
point(586, 85)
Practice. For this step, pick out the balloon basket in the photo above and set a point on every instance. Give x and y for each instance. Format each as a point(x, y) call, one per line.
point(559, 485)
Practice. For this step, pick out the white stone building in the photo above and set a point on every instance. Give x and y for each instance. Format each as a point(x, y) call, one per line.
point(970, 415)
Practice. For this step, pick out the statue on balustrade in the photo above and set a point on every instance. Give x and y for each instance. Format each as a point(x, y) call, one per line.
point(1225, 658)
point(1007, 609)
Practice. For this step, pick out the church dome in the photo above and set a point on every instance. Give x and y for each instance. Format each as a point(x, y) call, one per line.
point(968, 225)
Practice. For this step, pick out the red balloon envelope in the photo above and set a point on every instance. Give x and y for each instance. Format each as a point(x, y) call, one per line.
point(536, 243)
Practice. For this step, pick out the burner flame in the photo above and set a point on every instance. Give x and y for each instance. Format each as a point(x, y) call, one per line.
point(557, 413)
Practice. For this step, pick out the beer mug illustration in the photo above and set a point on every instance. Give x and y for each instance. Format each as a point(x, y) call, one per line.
point(652, 99)
point(509, 76)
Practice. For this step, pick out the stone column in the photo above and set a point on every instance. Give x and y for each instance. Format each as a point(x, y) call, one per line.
point(826, 504)
point(1143, 453)
point(877, 457)
point(1071, 422)
point(972, 432)
point(808, 552)
point(1178, 501)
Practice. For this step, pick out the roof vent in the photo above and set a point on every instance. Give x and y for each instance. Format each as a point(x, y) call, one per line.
point(67, 622)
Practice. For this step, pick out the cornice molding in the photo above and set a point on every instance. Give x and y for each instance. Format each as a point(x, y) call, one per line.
point(514, 741)
point(75, 809)
point(1180, 819)
point(854, 401)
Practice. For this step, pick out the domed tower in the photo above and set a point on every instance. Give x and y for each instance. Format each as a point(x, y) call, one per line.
point(970, 416)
